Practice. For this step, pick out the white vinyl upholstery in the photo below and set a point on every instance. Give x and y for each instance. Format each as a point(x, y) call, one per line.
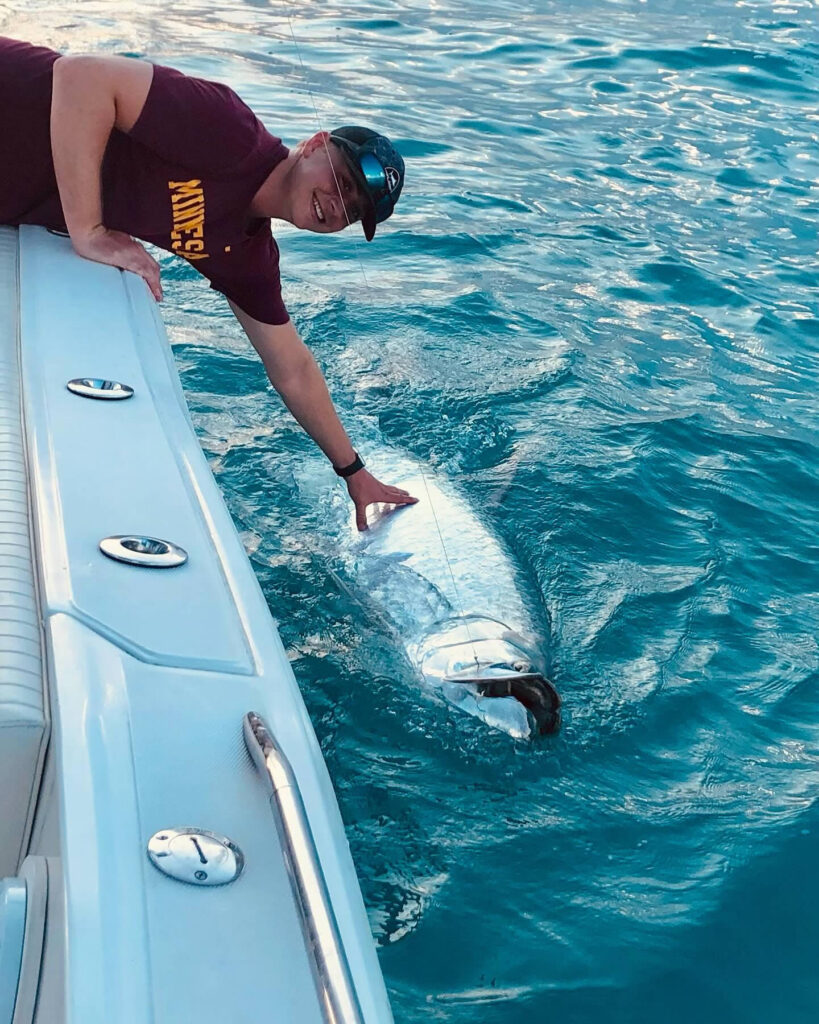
point(23, 718)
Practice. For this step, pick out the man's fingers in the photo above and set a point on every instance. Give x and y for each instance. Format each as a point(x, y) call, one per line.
point(153, 283)
point(365, 490)
point(394, 496)
point(398, 492)
point(401, 498)
point(148, 268)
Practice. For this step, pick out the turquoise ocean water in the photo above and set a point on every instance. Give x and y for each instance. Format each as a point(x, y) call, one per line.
point(596, 315)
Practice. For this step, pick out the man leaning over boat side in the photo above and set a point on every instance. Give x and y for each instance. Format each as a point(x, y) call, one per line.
point(111, 149)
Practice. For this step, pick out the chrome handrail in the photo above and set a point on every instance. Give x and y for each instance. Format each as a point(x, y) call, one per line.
point(337, 995)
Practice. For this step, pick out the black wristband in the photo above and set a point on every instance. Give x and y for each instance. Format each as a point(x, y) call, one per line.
point(352, 468)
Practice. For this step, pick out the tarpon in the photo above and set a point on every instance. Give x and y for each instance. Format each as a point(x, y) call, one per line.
point(451, 592)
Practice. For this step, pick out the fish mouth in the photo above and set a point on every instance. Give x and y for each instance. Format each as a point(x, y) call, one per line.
point(485, 658)
point(531, 689)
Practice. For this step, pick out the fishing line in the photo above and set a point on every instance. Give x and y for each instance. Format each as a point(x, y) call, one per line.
point(357, 243)
point(326, 147)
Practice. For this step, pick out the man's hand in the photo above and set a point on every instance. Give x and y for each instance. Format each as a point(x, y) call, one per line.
point(365, 490)
point(119, 250)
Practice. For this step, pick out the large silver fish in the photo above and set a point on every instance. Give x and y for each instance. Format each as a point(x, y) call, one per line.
point(452, 594)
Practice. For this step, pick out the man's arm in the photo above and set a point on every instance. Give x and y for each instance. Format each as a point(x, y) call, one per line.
point(296, 376)
point(90, 97)
point(294, 373)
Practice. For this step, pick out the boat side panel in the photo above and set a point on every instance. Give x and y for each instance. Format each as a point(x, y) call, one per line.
point(104, 468)
point(107, 962)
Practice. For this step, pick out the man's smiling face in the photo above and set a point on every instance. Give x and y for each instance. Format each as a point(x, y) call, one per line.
point(321, 178)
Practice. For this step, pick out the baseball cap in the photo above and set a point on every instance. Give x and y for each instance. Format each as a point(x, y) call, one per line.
point(377, 168)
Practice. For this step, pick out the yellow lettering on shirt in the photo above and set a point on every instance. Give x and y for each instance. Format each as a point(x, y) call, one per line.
point(188, 206)
point(192, 187)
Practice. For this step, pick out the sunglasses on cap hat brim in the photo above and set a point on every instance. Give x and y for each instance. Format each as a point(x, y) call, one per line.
point(371, 178)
